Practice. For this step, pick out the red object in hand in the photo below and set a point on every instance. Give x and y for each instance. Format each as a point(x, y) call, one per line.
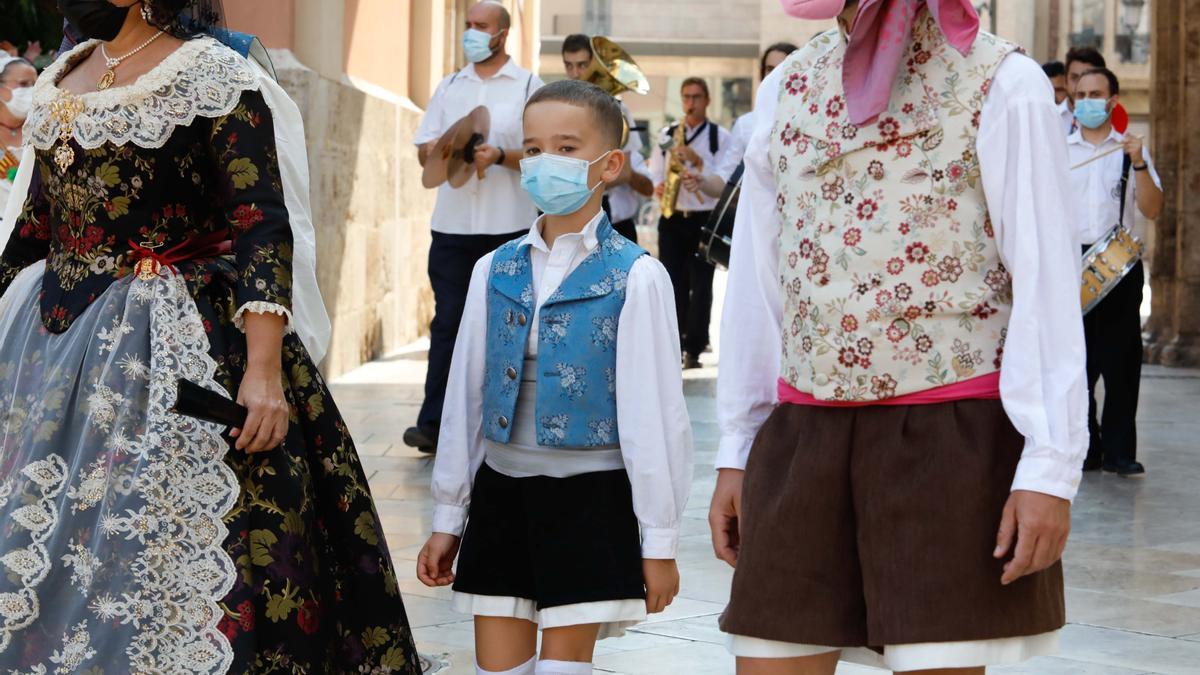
point(1120, 118)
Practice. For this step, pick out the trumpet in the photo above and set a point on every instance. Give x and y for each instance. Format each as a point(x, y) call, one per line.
point(674, 172)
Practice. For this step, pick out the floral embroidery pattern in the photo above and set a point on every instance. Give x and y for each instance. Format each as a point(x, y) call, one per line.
point(891, 276)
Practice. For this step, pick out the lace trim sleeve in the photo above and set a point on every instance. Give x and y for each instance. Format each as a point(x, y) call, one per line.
point(261, 307)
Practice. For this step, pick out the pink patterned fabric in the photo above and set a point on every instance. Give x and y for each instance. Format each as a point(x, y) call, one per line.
point(985, 387)
point(879, 39)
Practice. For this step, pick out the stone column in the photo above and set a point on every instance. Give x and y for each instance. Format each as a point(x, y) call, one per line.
point(1173, 333)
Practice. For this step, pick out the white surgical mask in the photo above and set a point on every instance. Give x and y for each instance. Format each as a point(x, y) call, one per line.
point(21, 103)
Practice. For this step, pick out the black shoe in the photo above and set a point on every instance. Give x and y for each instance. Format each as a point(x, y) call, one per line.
point(1126, 469)
point(421, 439)
point(691, 362)
point(1090, 464)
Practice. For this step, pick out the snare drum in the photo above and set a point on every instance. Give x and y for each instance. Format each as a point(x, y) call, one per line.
point(1106, 263)
point(716, 236)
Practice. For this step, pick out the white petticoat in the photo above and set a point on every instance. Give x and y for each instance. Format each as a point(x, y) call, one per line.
point(923, 656)
point(614, 616)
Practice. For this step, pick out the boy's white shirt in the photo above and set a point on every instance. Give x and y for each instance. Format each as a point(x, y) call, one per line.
point(654, 428)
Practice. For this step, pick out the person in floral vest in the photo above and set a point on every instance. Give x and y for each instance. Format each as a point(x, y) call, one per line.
point(901, 395)
point(565, 458)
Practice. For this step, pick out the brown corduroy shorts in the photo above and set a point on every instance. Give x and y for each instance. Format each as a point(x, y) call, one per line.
point(875, 526)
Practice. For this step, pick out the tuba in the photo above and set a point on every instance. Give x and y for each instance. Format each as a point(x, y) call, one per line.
point(615, 71)
point(674, 171)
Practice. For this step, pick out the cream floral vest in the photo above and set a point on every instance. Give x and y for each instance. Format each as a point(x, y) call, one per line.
point(892, 280)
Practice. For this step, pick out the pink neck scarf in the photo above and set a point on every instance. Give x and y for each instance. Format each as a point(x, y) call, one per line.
point(879, 39)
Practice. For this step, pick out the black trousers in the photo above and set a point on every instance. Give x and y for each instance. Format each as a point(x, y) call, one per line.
point(451, 259)
point(692, 278)
point(627, 229)
point(1113, 330)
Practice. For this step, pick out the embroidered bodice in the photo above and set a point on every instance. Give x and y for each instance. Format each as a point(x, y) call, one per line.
point(175, 164)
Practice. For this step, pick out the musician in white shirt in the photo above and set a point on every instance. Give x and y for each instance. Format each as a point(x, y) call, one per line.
point(704, 149)
point(1112, 329)
point(470, 221)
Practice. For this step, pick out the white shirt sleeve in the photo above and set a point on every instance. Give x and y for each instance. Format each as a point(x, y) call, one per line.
point(738, 139)
point(752, 344)
point(460, 441)
point(657, 160)
point(432, 126)
point(654, 428)
point(1043, 386)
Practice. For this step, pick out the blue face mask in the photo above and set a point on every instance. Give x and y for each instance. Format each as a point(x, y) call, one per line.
point(477, 45)
point(1091, 112)
point(558, 185)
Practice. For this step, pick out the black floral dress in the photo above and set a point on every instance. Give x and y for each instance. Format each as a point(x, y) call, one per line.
point(180, 174)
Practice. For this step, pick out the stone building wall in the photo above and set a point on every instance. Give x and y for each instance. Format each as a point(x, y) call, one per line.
point(370, 212)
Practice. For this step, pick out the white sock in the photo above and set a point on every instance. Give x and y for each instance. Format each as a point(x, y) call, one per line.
point(563, 668)
point(523, 669)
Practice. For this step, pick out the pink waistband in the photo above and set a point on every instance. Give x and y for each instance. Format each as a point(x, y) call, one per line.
point(982, 387)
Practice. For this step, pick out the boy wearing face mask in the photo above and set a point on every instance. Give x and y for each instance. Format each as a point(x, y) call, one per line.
point(565, 444)
point(474, 219)
point(1113, 329)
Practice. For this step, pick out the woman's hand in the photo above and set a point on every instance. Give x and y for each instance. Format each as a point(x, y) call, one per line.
point(662, 583)
point(267, 424)
point(435, 562)
point(262, 386)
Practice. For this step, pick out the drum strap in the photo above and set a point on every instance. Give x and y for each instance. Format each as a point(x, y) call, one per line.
point(1124, 188)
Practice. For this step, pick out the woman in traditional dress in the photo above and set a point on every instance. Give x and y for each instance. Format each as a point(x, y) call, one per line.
point(165, 235)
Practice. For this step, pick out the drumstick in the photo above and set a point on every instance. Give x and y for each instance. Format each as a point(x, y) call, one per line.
point(1093, 158)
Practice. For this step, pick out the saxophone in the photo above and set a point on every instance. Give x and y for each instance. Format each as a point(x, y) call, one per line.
point(674, 172)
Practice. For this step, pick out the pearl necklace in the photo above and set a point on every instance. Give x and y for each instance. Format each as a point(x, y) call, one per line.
point(110, 75)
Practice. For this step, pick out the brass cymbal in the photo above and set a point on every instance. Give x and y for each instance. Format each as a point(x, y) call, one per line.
point(453, 158)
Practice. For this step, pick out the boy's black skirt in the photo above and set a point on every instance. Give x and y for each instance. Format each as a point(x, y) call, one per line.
point(556, 541)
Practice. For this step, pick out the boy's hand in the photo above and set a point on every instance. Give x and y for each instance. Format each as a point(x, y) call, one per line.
point(662, 583)
point(435, 563)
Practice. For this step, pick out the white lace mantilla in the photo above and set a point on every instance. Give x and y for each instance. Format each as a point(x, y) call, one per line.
point(111, 506)
point(202, 78)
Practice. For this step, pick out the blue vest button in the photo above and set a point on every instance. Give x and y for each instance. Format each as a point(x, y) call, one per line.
point(521, 319)
point(503, 422)
point(511, 373)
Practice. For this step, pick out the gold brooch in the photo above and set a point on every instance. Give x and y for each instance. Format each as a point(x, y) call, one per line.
point(64, 110)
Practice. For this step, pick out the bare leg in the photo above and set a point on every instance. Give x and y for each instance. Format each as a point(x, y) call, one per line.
point(503, 643)
point(821, 664)
point(948, 671)
point(570, 643)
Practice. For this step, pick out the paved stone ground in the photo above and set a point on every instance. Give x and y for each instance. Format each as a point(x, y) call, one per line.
point(1132, 568)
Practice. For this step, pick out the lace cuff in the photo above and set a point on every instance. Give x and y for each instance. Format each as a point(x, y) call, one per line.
point(261, 307)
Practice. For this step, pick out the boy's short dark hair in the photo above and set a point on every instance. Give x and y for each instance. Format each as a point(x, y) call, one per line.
point(578, 42)
point(1054, 69)
point(1114, 85)
point(607, 112)
point(698, 82)
point(1087, 55)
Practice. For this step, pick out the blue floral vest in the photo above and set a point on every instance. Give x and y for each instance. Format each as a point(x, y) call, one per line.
point(577, 344)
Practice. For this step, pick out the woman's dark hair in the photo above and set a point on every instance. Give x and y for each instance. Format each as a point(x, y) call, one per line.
point(783, 47)
point(185, 18)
